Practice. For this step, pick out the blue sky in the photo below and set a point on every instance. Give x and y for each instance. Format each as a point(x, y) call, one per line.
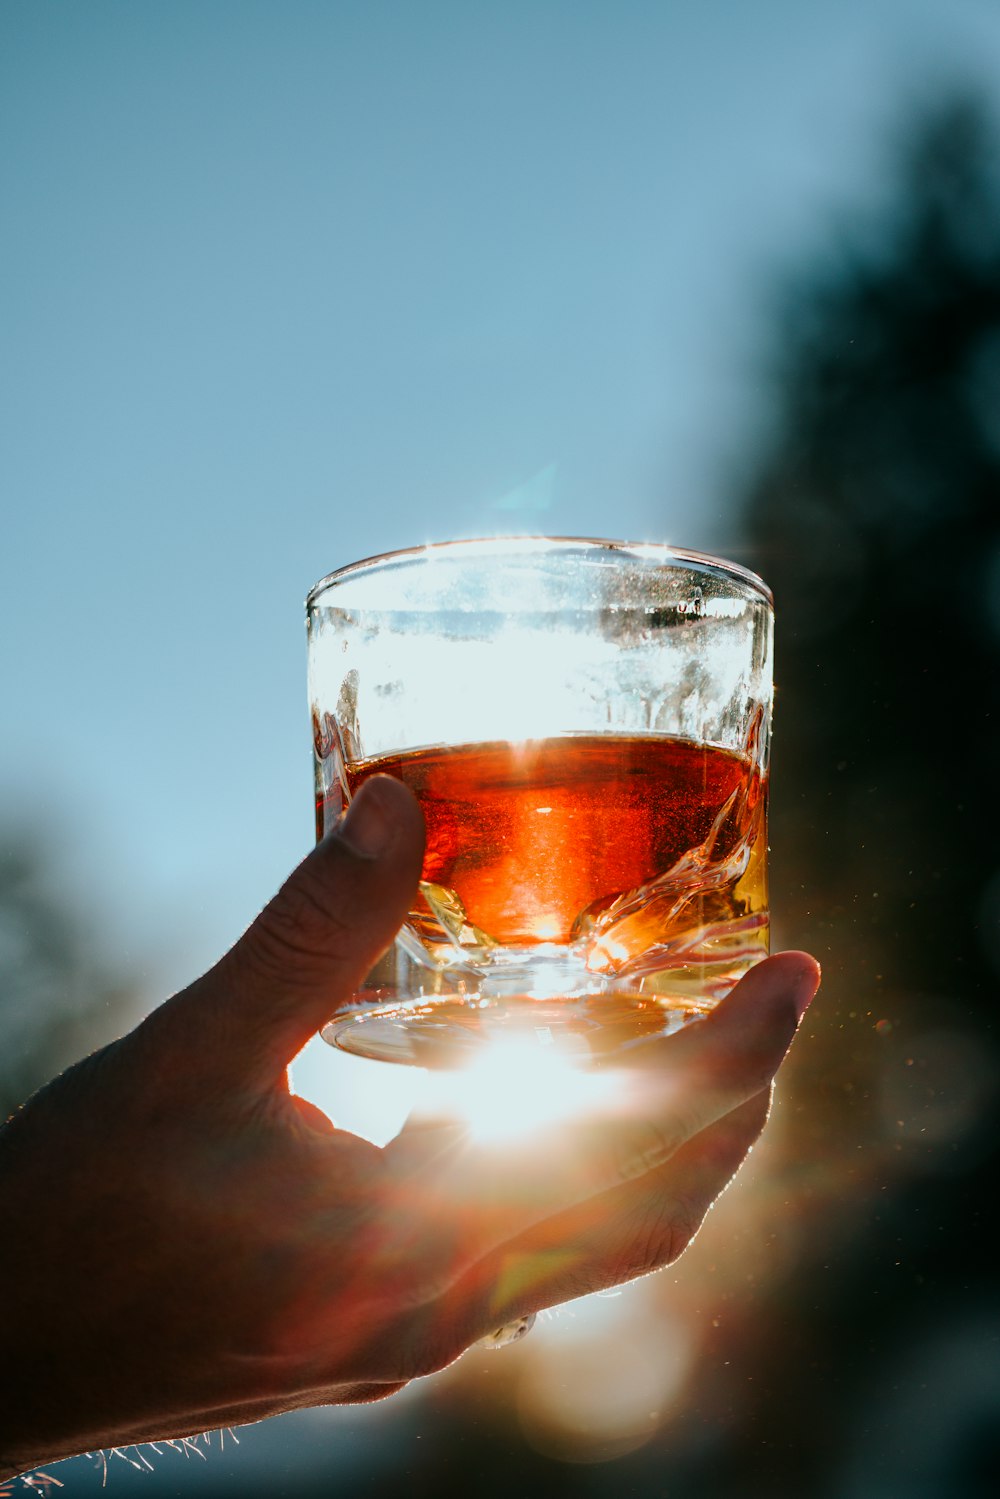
point(282, 285)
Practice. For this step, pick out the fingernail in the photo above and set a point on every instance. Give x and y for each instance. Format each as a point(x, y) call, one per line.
point(365, 827)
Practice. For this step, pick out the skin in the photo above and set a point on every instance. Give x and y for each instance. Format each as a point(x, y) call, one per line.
point(188, 1245)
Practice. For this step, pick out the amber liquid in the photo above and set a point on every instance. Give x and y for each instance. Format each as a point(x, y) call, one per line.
point(643, 856)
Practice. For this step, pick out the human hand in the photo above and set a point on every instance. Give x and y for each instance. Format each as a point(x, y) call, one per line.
point(188, 1245)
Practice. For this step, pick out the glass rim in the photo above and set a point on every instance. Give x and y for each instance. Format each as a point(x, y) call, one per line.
point(654, 551)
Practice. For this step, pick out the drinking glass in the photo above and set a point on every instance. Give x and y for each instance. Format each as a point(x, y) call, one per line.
point(585, 724)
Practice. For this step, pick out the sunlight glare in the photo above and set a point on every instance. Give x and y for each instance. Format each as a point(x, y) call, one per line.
point(516, 1087)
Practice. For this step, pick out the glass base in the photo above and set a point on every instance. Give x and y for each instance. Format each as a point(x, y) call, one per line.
point(450, 1031)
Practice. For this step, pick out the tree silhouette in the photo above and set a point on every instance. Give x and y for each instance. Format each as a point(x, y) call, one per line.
point(875, 515)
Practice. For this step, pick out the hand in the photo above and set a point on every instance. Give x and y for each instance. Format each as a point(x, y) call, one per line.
point(188, 1245)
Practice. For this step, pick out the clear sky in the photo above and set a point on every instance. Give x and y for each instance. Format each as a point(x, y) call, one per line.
point(286, 284)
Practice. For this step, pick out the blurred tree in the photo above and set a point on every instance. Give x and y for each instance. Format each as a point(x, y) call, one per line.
point(59, 998)
point(875, 515)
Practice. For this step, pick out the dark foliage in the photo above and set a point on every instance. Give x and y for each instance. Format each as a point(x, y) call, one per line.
point(875, 515)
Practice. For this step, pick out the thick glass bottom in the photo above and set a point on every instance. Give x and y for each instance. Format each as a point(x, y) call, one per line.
point(449, 1031)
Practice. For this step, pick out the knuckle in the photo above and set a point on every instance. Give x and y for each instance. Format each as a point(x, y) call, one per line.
point(648, 1145)
point(661, 1239)
point(299, 926)
point(749, 1068)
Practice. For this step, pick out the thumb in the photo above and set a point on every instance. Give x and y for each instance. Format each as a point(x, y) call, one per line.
point(313, 944)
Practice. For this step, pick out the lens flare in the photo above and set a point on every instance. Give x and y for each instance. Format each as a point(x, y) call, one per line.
point(601, 1388)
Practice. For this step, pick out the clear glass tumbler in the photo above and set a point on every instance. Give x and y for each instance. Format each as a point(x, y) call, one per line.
point(586, 726)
